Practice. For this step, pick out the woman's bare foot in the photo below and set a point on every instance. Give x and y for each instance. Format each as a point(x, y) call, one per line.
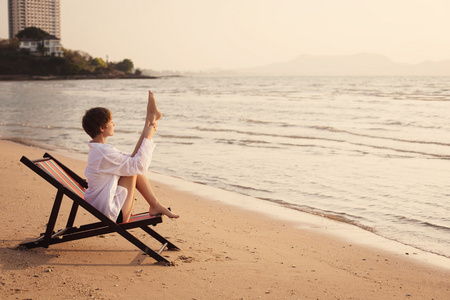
point(160, 209)
point(153, 113)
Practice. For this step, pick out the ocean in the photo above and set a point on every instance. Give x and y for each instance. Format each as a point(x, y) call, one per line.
point(369, 151)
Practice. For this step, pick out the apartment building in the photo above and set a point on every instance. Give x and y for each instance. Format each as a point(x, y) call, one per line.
point(44, 14)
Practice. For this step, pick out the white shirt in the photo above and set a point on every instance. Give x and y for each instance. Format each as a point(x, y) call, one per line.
point(105, 166)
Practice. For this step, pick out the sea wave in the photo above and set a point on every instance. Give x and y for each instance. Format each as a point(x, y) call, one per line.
point(249, 188)
point(336, 140)
point(49, 127)
point(188, 137)
point(333, 129)
point(421, 223)
point(340, 217)
point(55, 127)
point(281, 124)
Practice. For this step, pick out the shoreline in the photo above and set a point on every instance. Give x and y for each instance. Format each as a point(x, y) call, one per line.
point(304, 220)
point(68, 77)
point(227, 251)
point(76, 77)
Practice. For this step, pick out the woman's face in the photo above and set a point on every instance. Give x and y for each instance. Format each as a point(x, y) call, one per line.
point(109, 128)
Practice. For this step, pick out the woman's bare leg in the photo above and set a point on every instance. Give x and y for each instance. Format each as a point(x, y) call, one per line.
point(153, 113)
point(128, 182)
point(143, 186)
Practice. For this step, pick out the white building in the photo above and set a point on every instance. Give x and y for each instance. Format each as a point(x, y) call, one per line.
point(51, 46)
point(43, 14)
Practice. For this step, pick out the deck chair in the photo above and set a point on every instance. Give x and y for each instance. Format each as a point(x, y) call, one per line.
point(71, 185)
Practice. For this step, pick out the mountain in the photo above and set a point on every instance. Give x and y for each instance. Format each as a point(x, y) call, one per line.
point(362, 64)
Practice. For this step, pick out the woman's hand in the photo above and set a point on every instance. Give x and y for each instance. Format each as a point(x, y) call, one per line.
point(154, 125)
point(150, 128)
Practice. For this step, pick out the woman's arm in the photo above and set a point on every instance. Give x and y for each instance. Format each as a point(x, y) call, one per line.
point(148, 131)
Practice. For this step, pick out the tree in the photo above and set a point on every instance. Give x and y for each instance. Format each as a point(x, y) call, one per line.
point(98, 64)
point(76, 58)
point(32, 33)
point(9, 45)
point(125, 65)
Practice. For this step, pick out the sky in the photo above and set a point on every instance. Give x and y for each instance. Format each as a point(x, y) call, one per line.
point(197, 35)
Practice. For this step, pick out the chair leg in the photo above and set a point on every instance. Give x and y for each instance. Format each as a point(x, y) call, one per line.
point(52, 219)
point(132, 239)
point(160, 238)
point(73, 213)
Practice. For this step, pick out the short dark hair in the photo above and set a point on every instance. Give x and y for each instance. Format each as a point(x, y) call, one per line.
point(94, 119)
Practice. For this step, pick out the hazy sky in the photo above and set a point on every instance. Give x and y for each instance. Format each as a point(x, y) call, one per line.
point(203, 34)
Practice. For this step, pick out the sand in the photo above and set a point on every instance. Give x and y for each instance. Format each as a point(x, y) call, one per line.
point(226, 252)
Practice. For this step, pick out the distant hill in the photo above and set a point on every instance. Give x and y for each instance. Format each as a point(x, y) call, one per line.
point(363, 64)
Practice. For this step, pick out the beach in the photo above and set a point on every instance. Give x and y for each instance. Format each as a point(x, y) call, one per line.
point(227, 252)
point(371, 152)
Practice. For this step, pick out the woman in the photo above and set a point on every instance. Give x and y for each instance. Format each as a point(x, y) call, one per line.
point(113, 176)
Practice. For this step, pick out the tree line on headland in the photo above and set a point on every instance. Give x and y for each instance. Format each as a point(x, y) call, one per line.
point(16, 63)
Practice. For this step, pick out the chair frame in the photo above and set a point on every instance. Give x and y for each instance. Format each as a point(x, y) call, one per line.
point(105, 226)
